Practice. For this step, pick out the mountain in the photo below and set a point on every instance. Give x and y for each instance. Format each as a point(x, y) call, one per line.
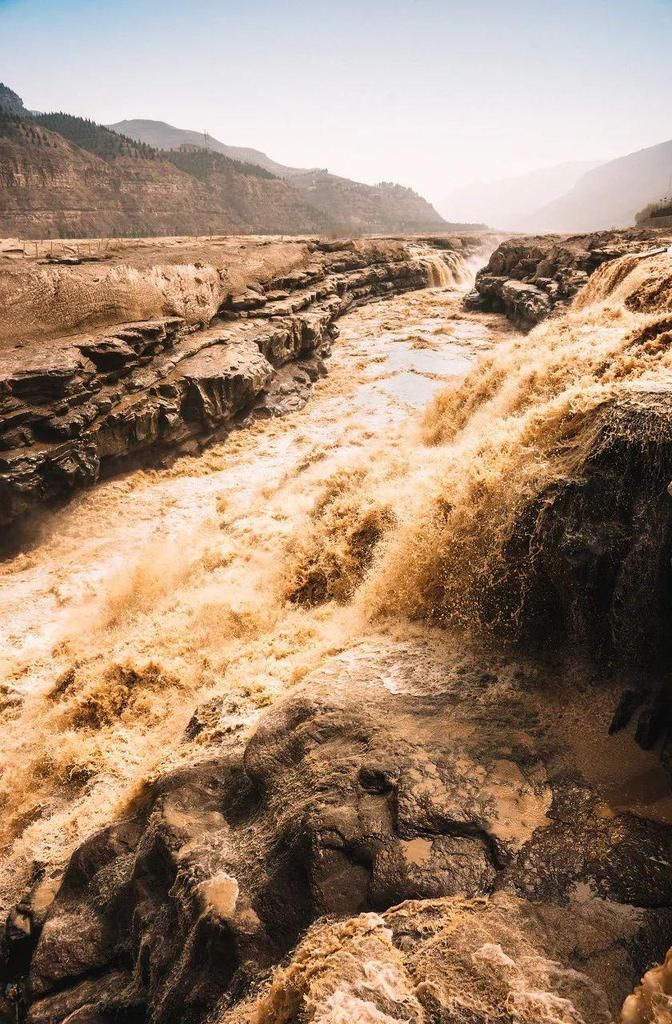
point(165, 136)
point(63, 176)
point(509, 202)
point(349, 206)
point(385, 208)
point(66, 176)
point(610, 195)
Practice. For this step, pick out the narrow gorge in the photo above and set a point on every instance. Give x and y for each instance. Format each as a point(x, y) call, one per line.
point(336, 593)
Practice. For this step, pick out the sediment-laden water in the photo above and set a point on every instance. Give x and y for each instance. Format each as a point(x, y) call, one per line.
point(159, 589)
point(366, 543)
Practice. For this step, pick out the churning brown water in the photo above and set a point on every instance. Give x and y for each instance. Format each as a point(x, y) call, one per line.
point(160, 589)
point(383, 504)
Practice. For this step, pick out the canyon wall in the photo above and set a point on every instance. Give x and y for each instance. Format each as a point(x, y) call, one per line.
point(131, 359)
point(528, 277)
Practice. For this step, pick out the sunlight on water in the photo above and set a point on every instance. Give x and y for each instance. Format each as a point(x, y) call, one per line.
point(158, 589)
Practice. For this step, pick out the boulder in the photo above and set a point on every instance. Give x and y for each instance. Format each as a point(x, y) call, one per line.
point(496, 958)
point(383, 779)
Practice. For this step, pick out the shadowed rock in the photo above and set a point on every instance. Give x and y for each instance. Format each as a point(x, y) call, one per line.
point(440, 788)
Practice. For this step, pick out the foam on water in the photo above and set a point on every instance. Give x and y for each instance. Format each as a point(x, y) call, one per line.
point(157, 590)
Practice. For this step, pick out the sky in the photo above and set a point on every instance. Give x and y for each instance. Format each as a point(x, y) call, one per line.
point(427, 93)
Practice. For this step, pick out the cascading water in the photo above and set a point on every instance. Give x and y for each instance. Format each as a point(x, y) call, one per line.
point(161, 588)
point(391, 503)
point(447, 268)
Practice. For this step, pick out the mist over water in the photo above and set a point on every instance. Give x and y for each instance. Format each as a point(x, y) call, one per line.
point(160, 589)
point(382, 509)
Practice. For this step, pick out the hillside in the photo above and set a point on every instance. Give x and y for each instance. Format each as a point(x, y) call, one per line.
point(66, 176)
point(610, 195)
point(51, 186)
point(165, 136)
point(507, 203)
point(359, 208)
point(350, 206)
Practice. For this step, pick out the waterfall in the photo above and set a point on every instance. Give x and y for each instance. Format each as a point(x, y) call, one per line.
point(444, 269)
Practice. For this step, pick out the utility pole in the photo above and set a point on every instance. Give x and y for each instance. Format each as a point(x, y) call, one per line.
point(205, 140)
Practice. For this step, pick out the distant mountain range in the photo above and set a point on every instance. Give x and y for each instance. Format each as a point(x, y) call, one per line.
point(571, 197)
point(65, 176)
point(611, 195)
point(508, 203)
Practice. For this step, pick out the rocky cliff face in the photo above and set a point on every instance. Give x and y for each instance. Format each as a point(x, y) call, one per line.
point(51, 188)
point(528, 278)
point(63, 177)
point(160, 385)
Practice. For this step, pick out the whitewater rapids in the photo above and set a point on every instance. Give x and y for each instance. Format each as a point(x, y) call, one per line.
point(381, 506)
point(157, 590)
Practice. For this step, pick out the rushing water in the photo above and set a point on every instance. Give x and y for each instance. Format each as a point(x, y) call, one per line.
point(321, 541)
point(156, 590)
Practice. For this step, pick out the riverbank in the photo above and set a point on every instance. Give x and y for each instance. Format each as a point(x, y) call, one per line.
point(154, 349)
point(351, 712)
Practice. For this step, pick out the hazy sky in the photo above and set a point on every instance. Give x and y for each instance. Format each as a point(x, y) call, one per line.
point(432, 94)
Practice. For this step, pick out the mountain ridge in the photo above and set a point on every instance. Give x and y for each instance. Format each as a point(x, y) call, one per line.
point(66, 176)
point(350, 204)
point(162, 135)
point(610, 195)
point(506, 203)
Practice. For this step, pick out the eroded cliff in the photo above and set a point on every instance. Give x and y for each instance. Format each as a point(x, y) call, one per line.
point(357, 742)
point(173, 352)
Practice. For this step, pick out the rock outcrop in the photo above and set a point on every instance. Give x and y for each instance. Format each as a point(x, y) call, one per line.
point(530, 278)
point(351, 797)
point(89, 403)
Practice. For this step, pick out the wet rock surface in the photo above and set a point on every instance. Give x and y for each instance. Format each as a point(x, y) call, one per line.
point(82, 406)
point(391, 775)
point(529, 278)
point(600, 574)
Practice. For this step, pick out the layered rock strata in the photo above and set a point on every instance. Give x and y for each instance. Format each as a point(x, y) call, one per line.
point(529, 278)
point(83, 404)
